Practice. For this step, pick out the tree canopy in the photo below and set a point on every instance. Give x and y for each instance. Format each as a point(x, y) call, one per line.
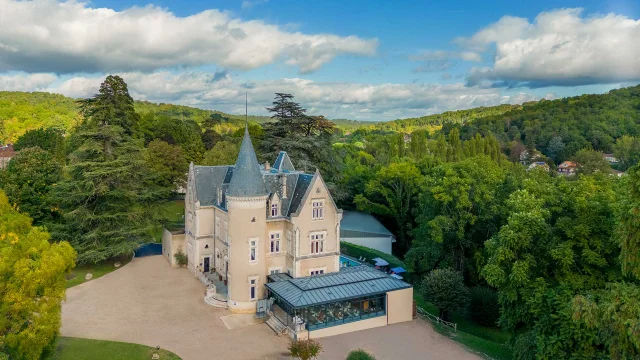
point(32, 285)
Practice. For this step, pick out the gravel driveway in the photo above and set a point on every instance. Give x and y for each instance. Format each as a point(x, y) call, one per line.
point(148, 302)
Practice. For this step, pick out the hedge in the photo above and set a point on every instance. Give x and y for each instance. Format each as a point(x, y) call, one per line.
point(358, 251)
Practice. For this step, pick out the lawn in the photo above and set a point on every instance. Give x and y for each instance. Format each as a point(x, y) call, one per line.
point(174, 212)
point(86, 349)
point(488, 341)
point(97, 270)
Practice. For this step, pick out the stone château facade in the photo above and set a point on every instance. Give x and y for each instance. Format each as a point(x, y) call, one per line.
point(248, 221)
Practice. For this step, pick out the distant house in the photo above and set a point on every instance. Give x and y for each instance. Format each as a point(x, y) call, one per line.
point(6, 153)
point(526, 159)
point(407, 138)
point(364, 229)
point(610, 158)
point(567, 168)
point(539, 164)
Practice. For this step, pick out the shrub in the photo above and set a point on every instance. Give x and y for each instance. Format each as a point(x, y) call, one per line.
point(360, 355)
point(305, 349)
point(181, 258)
point(484, 308)
point(445, 289)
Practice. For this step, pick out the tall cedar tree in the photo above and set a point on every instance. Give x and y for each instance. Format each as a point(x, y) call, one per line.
point(107, 196)
point(112, 106)
point(306, 138)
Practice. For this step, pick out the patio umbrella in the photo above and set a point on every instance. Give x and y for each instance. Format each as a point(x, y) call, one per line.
point(380, 262)
point(398, 270)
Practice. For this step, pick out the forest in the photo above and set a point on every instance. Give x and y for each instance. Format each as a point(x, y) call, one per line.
point(557, 257)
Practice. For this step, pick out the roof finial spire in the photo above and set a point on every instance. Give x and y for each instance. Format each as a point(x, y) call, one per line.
point(246, 113)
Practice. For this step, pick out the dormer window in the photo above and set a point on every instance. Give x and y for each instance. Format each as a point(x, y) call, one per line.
point(274, 210)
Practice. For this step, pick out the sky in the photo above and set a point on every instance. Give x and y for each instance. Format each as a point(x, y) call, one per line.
point(362, 60)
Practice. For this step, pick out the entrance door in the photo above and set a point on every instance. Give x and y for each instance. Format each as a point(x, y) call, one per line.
point(206, 264)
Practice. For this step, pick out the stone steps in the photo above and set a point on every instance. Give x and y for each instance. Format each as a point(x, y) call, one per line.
point(276, 325)
point(210, 300)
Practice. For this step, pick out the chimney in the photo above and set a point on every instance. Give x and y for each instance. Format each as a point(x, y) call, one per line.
point(283, 184)
point(267, 166)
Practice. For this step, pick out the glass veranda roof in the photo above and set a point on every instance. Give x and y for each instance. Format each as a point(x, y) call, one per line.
point(349, 283)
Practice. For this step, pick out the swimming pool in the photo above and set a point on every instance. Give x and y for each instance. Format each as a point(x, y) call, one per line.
point(347, 261)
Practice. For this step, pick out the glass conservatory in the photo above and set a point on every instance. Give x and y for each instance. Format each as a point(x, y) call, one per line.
point(316, 302)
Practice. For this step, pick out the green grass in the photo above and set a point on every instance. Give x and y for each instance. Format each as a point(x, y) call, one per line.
point(488, 341)
point(173, 211)
point(86, 349)
point(97, 270)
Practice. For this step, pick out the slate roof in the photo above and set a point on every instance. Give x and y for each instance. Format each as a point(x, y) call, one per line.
point(357, 224)
point(349, 283)
point(248, 178)
point(283, 163)
point(208, 180)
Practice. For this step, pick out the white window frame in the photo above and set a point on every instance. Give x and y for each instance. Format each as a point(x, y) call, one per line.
point(317, 271)
point(226, 231)
point(253, 285)
point(317, 209)
point(274, 209)
point(216, 231)
point(255, 248)
point(275, 268)
point(319, 237)
point(275, 238)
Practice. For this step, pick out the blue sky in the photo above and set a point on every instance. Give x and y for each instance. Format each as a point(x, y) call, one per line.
point(367, 60)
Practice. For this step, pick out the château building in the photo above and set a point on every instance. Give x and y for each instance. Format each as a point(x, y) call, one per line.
point(272, 234)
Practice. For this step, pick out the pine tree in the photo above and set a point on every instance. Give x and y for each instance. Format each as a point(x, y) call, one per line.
point(111, 106)
point(107, 195)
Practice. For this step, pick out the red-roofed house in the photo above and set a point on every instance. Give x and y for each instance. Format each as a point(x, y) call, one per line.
point(6, 153)
point(567, 168)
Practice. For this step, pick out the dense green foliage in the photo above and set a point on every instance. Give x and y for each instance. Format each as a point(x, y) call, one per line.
point(32, 285)
point(445, 289)
point(21, 112)
point(29, 181)
point(166, 164)
point(359, 354)
point(556, 256)
point(108, 193)
point(49, 139)
point(458, 116)
point(484, 307)
point(306, 138)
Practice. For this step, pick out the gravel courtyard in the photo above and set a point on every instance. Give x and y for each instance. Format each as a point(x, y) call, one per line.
point(148, 302)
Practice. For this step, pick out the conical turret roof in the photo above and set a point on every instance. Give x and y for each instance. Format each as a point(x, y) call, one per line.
point(247, 178)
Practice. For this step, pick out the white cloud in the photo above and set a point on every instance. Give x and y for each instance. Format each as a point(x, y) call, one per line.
point(560, 47)
point(71, 37)
point(26, 82)
point(333, 99)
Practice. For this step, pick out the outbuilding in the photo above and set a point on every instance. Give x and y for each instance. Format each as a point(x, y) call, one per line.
point(365, 230)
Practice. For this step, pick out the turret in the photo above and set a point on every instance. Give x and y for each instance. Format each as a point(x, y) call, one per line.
point(246, 204)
